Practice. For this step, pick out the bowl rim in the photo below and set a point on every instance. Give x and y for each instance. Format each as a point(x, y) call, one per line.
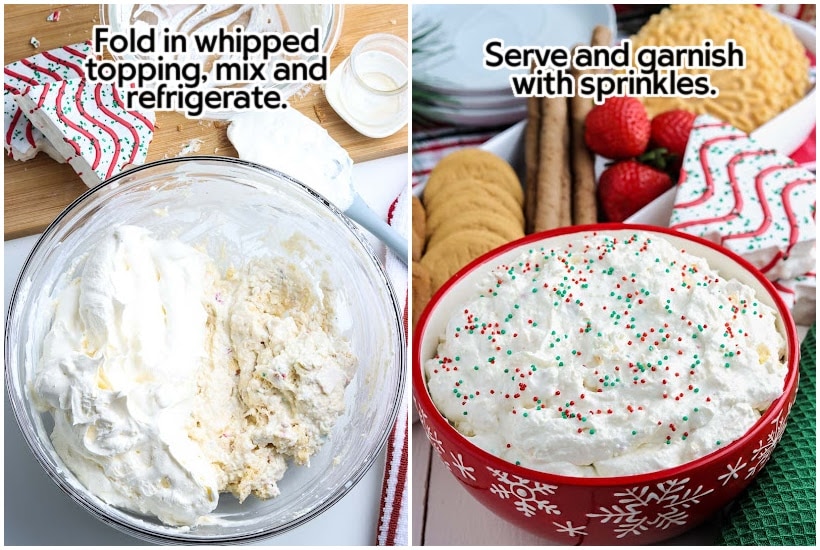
point(182, 536)
point(431, 414)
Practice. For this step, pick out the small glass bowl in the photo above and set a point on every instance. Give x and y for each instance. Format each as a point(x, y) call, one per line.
point(369, 89)
point(234, 209)
point(374, 80)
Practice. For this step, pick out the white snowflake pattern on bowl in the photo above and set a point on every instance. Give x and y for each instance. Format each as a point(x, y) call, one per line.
point(646, 507)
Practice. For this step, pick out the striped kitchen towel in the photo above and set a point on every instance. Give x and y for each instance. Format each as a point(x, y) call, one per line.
point(392, 528)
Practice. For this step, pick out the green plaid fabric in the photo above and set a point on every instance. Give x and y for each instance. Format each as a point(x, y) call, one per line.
point(779, 507)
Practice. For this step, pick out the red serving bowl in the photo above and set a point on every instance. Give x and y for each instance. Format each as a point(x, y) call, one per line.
point(637, 509)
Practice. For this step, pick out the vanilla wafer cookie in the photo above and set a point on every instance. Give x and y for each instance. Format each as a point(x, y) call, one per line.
point(459, 191)
point(476, 203)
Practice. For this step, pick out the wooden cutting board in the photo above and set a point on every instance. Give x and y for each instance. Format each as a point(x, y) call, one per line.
point(36, 191)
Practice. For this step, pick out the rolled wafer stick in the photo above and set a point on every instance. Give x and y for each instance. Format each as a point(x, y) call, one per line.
point(566, 177)
point(601, 36)
point(552, 163)
point(584, 204)
point(531, 149)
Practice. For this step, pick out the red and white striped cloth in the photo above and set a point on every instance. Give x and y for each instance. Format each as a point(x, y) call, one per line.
point(393, 528)
point(430, 146)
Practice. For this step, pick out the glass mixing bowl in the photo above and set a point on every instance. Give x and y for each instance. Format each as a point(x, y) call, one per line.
point(235, 210)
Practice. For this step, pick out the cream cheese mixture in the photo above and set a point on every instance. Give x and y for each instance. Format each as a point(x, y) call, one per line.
point(608, 357)
point(169, 383)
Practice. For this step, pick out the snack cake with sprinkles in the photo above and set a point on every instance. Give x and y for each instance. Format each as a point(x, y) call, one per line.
point(751, 200)
point(22, 140)
point(607, 356)
point(89, 124)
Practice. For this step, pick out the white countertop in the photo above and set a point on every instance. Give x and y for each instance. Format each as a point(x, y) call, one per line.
point(37, 512)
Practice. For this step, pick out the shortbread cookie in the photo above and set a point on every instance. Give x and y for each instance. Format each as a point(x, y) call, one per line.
point(418, 246)
point(476, 204)
point(473, 163)
point(458, 189)
point(422, 289)
point(500, 225)
point(456, 251)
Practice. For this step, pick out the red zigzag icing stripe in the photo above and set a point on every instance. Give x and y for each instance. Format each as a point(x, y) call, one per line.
point(710, 184)
point(40, 69)
point(781, 288)
point(20, 77)
point(64, 62)
point(69, 64)
point(764, 205)
point(135, 114)
point(30, 133)
point(787, 206)
point(738, 208)
point(13, 125)
point(123, 122)
point(713, 125)
point(794, 230)
point(42, 99)
point(77, 53)
point(103, 125)
point(68, 122)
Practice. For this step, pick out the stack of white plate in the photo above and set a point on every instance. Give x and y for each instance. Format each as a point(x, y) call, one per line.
point(463, 92)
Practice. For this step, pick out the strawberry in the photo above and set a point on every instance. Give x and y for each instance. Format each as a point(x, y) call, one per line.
point(618, 129)
point(670, 132)
point(671, 129)
point(627, 186)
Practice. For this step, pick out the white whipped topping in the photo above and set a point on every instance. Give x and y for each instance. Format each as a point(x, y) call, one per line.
point(288, 141)
point(169, 385)
point(609, 357)
point(127, 337)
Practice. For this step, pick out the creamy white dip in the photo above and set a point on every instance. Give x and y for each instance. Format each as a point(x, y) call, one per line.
point(608, 357)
